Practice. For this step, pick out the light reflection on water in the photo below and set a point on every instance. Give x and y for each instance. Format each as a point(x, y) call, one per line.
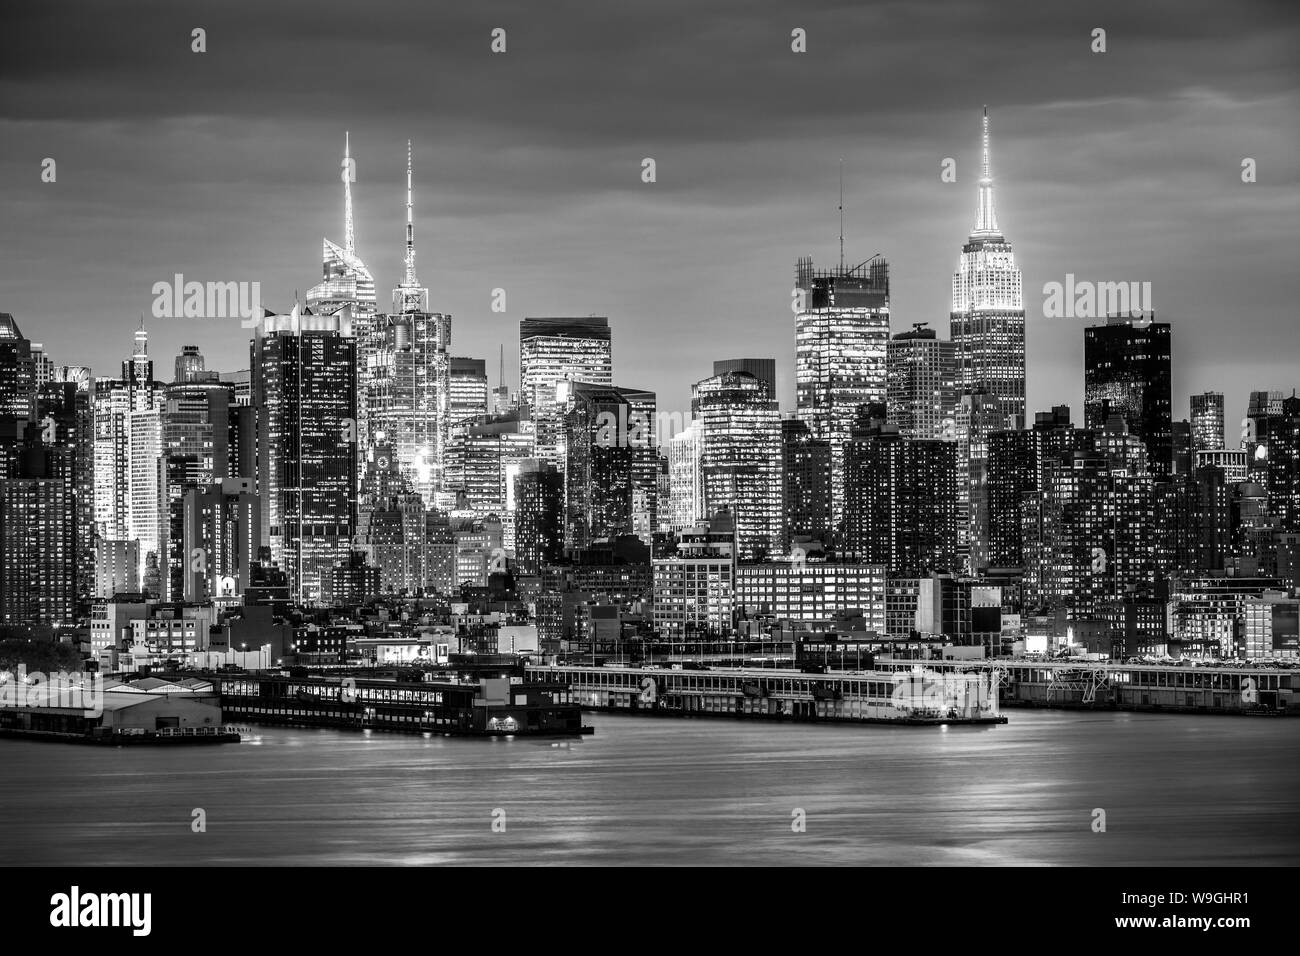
point(1176, 789)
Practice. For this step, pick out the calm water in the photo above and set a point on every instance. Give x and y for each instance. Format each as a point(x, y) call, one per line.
point(1176, 790)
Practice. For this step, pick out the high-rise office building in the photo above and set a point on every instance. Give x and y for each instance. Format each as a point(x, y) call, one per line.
point(554, 352)
point(740, 458)
point(609, 454)
point(404, 377)
point(1015, 469)
point(922, 384)
point(988, 312)
point(642, 407)
point(979, 415)
point(1274, 454)
point(408, 402)
point(38, 546)
point(127, 446)
point(116, 568)
point(1090, 535)
point(220, 534)
point(1207, 421)
point(17, 370)
point(987, 327)
point(900, 500)
point(685, 479)
point(841, 346)
point(1127, 371)
point(43, 368)
point(763, 369)
point(539, 510)
point(196, 430)
point(393, 526)
point(695, 587)
point(345, 282)
point(190, 366)
point(66, 420)
point(142, 477)
point(468, 388)
point(806, 485)
point(305, 390)
point(483, 457)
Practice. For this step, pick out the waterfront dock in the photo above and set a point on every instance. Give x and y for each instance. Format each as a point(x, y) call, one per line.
point(919, 696)
point(490, 707)
point(1171, 688)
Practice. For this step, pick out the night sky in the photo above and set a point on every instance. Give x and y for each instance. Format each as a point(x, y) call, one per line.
point(224, 166)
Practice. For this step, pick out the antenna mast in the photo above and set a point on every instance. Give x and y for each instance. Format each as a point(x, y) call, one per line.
point(841, 215)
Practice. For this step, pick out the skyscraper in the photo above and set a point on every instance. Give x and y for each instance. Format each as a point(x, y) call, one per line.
point(1207, 421)
point(190, 366)
point(66, 419)
point(552, 353)
point(987, 326)
point(483, 457)
point(196, 420)
point(806, 485)
point(740, 458)
point(221, 523)
point(922, 384)
point(408, 397)
point(17, 370)
point(393, 524)
point(345, 279)
point(609, 455)
point(404, 378)
point(1275, 459)
point(685, 480)
point(763, 369)
point(127, 446)
point(841, 346)
point(1090, 535)
point(1016, 461)
point(1127, 371)
point(38, 546)
point(305, 390)
point(988, 312)
point(469, 388)
point(347, 283)
point(900, 501)
point(539, 510)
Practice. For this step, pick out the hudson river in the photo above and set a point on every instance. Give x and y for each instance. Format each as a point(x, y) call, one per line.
point(1175, 790)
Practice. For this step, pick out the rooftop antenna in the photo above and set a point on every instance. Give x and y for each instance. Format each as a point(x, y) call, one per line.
point(501, 368)
point(841, 215)
point(349, 240)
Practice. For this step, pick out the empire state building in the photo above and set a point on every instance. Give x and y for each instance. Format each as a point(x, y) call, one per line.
point(987, 326)
point(988, 311)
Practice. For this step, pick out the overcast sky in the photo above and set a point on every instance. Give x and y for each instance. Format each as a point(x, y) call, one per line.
point(224, 166)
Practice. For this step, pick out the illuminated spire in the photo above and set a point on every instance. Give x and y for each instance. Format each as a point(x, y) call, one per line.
point(986, 222)
point(410, 296)
point(411, 281)
point(349, 239)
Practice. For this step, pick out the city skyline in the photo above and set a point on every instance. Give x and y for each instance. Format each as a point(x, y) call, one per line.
point(895, 203)
point(810, 433)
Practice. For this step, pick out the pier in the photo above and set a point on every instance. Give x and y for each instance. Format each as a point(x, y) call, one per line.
point(919, 696)
point(490, 707)
point(1186, 688)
